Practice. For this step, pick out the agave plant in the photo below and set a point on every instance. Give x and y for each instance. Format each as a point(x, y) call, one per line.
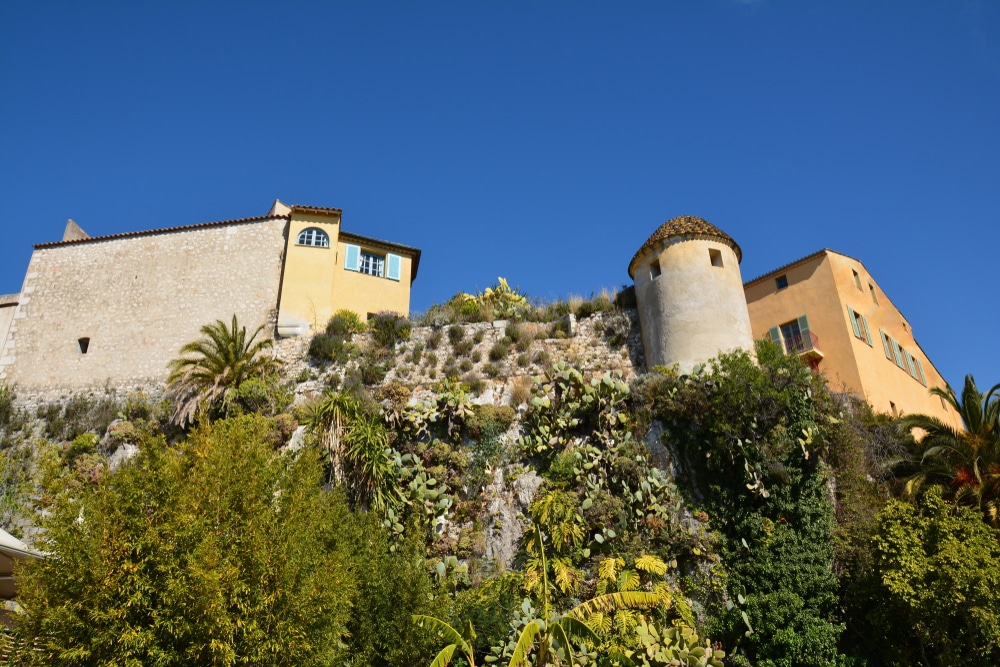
point(211, 368)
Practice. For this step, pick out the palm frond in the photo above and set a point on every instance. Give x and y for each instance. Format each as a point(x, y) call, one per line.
point(448, 634)
point(651, 564)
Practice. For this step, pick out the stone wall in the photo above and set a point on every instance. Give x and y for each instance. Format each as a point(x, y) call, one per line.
point(137, 299)
point(605, 342)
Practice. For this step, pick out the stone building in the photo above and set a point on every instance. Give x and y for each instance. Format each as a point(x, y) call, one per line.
point(113, 310)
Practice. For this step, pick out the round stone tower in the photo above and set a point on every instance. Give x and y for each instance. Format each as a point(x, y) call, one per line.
point(690, 294)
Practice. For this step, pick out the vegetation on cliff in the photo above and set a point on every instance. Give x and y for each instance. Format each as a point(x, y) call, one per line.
point(741, 514)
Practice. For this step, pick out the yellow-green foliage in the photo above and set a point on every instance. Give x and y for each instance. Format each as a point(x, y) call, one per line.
point(217, 552)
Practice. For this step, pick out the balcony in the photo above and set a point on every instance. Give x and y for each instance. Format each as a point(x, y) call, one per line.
point(806, 346)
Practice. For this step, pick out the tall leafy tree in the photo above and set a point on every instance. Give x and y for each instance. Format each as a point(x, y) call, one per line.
point(218, 552)
point(211, 368)
point(965, 463)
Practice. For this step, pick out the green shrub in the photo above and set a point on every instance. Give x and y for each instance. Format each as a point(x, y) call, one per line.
point(416, 353)
point(456, 332)
point(499, 351)
point(434, 339)
point(491, 371)
point(430, 360)
point(334, 348)
point(476, 356)
point(559, 329)
point(388, 329)
point(462, 348)
point(477, 337)
point(522, 360)
point(345, 323)
point(466, 365)
point(543, 359)
point(936, 585)
point(6, 406)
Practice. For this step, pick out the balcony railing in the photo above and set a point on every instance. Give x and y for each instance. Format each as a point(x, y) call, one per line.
point(802, 343)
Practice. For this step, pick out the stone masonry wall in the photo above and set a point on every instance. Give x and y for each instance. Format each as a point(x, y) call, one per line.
point(138, 299)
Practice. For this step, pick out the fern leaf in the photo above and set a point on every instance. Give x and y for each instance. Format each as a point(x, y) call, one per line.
point(615, 601)
point(628, 580)
point(608, 569)
point(651, 564)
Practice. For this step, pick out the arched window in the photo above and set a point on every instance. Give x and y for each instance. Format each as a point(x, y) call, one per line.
point(314, 237)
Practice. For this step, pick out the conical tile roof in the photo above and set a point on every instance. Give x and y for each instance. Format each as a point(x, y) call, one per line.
point(687, 225)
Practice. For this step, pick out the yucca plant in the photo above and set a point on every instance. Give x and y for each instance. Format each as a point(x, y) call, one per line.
point(214, 366)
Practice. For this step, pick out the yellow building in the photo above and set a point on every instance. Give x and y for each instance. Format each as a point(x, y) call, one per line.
point(327, 269)
point(827, 308)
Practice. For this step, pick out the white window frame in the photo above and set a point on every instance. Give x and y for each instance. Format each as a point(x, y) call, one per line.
point(313, 237)
point(372, 264)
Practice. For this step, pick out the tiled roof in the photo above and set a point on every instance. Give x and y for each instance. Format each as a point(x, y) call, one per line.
point(800, 260)
point(301, 208)
point(687, 225)
point(161, 230)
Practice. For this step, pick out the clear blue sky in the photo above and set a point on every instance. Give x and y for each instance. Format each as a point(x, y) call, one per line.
point(539, 141)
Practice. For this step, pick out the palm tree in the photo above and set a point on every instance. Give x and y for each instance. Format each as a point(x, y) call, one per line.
point(211, 368)
point(329, 419)
point(966, 462)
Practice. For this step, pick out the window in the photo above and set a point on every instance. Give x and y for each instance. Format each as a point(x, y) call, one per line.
point(654, 269)
point(83, 345)
point(857, 279)
point(781, 282)
point(372, 264)
point(715, 256)
point(793, 336)
point(859, 323)
point(871, 288)
point(313, 237)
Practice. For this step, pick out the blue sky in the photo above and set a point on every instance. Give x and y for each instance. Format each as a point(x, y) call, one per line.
point(539, 141)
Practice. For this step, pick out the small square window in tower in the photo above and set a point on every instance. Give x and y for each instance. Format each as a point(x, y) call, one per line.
point(715, 256)
point(781, 282)
point(83, 344)
point(857, 279)
point(654, 269)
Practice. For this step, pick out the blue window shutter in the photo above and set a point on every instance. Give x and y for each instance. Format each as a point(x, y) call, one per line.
point(854, 321)
point(393, 262)
point(803, 325)
point(775, 335)
point(920, 369)
point(897, 352)
point(885, 344)
point(352, 257)
point(868, 332)
point(912, 366)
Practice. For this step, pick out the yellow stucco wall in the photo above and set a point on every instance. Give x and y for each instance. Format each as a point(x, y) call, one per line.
point(307, 284)
point(316, 282)
point(822, 287)
point(365, 294)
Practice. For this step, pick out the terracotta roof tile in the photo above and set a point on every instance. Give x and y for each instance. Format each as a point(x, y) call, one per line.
point(686, 225)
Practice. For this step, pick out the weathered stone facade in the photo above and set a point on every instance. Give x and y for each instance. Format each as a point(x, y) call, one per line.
point(113, 311)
